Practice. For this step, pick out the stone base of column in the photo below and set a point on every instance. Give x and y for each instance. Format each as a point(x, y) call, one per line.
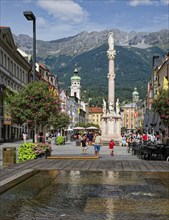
point(111, 128)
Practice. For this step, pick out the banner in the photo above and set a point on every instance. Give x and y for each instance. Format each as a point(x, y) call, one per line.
point(7, 117)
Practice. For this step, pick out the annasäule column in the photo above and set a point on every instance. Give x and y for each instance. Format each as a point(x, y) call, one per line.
point(111, 74)
point(111, 119)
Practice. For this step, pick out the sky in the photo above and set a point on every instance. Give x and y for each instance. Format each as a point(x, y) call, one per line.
point(56, 19)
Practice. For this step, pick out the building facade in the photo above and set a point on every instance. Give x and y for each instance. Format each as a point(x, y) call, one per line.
point(75, 85)
point(129, 119)
point(159, 80)
point(133, 113)
point(95, 114)
point(15, 73)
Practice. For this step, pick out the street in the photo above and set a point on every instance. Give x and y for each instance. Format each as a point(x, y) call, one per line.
point(70, 148)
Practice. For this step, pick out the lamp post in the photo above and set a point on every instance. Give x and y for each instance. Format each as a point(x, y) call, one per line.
point(31, 17)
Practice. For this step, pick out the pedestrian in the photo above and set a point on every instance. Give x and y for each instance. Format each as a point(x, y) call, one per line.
point(123, 141)
point(41, 138)
point(152, 138)
point(90, 137)
point(84, 144)
point(97, 143)
point(24, 135)
point(145, 138)
point(111, 147)
point(58, 134)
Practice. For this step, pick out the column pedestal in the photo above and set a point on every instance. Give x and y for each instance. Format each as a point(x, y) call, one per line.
point(111, 128)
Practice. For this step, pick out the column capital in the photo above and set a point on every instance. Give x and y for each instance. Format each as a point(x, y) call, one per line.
point(111, 76)
point(111, 54)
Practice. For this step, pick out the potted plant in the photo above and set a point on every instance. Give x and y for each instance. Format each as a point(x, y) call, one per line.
point(46, 149)
point(60, 140)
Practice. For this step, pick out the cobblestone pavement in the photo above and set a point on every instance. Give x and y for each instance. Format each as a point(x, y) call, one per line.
point(70, 148)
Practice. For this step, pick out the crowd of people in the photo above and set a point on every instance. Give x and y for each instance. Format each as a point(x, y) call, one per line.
point(93, 139)
point(127, 139)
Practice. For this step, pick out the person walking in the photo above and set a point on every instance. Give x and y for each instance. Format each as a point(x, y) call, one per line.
point(97, 143)
point(24, 135)
point(84, 144)
point(90, 138)
point(111, 147)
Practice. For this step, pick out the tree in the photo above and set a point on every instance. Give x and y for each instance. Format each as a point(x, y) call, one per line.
point(161, 105)
point(35, 103)
point(85, 125)
point(60, 121)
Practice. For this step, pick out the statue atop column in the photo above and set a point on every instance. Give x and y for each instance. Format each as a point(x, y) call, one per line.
point(111, 41)
point(104, 107)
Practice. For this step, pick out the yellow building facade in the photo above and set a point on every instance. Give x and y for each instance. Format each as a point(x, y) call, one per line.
point(129, 116)
point(95, 114)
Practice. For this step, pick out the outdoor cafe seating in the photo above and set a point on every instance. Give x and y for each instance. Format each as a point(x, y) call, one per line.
point(150, 151)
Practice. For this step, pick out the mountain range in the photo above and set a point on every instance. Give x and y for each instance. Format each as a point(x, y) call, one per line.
point(87, 51)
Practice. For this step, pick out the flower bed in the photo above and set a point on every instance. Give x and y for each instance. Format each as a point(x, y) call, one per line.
point(28, 151)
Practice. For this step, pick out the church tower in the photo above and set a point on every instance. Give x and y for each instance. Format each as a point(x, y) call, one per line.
point(75, 85)
point(135, 95)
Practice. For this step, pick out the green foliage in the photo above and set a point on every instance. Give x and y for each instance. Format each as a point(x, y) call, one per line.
point(161, 105)
point(59, 121)
point(35, 102)
point(80, 124)
point(28, 151)
point(59, 140)
point(85, 125)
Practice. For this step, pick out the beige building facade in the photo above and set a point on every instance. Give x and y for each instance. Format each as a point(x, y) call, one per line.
point(95, 114)
point(15, 72)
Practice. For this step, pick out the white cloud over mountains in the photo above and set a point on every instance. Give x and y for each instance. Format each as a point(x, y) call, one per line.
point(68, 11)
point(135, 3)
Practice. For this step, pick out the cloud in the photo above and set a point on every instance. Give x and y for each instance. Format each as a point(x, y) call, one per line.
point(68, 11)
point(27, 1)
point(41, 22)
point(165, 2)
point(135, 3)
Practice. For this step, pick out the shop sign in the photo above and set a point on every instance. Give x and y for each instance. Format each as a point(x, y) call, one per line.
point(7, 120)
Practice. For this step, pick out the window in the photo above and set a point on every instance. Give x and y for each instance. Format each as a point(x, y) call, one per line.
point(1, 58)
point(23, 76)
point(5, 60)
point(20, 76)
point(11, 66)
point(8, 64)
point(14, 69)
point(18, 72)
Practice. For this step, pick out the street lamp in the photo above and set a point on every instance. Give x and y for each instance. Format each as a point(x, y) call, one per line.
point(31, 17)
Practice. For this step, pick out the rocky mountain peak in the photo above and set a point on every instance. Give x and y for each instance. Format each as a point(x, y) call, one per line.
point(86, 41)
